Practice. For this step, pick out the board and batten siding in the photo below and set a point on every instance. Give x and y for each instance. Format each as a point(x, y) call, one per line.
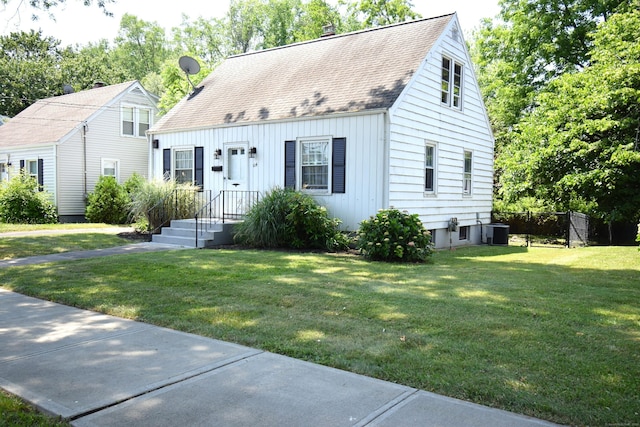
point(419, 118)
point(365, 159)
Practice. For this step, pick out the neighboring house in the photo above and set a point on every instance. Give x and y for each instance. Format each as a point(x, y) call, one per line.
point(386, 117)
point(67, 142)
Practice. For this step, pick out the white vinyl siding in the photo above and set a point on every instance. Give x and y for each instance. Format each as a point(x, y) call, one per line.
point(419, 117)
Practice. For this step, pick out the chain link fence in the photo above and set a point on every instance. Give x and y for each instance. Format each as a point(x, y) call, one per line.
point(568, 229)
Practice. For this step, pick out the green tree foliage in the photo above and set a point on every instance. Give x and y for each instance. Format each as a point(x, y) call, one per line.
point(285, 218)
point(580, 145)
point(47, 6)
point(108, 203)
point(141, 47)
point(531, 43)
point(394, 236)
point(374, 13)
point(21, 202)
point(29, 63)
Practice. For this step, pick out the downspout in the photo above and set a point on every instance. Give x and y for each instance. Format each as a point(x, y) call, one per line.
point(387, 159)
point(85, 129)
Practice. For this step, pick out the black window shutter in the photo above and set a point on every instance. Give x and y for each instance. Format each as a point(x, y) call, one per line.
point(41, 174)
point(338, 168)
point(199, 166)
point(289, 164)
point(21, 165)
point(166, 163)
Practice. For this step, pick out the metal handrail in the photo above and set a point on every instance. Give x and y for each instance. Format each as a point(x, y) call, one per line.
point(226, 205)
point(173, 207)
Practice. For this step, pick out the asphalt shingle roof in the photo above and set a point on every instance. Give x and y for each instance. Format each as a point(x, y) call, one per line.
point(344, 73)
point(48, 120)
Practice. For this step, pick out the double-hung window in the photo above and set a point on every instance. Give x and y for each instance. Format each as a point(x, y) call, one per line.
point(451, 94)
point(110, 168)
point(467, 175)
point(135, 121)
point(314, 164)
point(183, 166)
point(430, 169)
point(32, 168)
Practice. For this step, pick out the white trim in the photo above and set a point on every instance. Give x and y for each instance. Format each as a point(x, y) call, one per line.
point(434, 167)
point(116, 166)
point(136, 108)
point(329, 154)
point(465, 192)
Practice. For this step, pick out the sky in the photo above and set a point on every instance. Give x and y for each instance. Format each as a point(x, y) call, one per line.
point(77, 24)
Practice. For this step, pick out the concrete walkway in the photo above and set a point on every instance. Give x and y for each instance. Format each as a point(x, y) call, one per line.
point(99, 370)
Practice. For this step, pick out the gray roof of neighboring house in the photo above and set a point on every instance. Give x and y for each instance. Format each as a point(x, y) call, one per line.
point(51, 119)
point(343, 73)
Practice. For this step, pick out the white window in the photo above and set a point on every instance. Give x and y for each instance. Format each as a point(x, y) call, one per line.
point(467, 176)
point(430, 169)
point(32, 168)
point(451, 83)
point(4, 172)
point(135, 121)
point(110, 168)
point(183, 166)
point(315, 158)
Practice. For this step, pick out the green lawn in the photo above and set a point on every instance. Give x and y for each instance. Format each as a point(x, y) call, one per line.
point(15, 412)
point(551, 333)
point(19, 247)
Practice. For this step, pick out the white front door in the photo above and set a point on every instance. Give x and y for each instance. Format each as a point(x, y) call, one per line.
point(237, 165)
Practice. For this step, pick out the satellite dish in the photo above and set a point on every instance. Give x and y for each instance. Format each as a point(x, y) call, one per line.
point(67, 89)
point(189, 66)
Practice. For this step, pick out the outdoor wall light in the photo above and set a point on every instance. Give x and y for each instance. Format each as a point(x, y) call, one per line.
point(253, 152)
point(217, 153)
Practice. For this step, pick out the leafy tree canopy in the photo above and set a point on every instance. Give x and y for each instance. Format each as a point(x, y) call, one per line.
point(48, 6)
point(580, 148)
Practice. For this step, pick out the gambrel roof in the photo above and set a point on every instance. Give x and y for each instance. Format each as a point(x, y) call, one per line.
point(352, 72)
point(49, 120)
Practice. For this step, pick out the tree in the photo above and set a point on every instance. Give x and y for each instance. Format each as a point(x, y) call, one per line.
point(580, 146)
point(374, 13)
point(205, 39)
point(244, 22)
point(534, 42)
point(29, 63)
point(47, 6)
point(141, 47)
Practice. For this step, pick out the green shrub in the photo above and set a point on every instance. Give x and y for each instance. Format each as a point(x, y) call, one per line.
point(285, 218)
point(394, 236)
point(168, 199)
point(109, 202)
point(21, 202)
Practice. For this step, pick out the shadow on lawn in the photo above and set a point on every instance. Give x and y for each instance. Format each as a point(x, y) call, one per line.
point(543, 339)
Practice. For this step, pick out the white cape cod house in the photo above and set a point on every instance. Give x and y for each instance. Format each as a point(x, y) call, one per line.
point(66, 142)
point(386, 117)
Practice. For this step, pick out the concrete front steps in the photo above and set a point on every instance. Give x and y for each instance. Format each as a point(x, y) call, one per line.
point(183, 232)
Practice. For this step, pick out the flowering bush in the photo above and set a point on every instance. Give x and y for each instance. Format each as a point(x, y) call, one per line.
point(392, 235)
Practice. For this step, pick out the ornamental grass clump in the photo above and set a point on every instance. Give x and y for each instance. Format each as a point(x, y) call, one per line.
point(286, 218)
point(394, 236)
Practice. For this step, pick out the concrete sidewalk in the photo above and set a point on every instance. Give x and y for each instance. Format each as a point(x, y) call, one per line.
point(99, 370)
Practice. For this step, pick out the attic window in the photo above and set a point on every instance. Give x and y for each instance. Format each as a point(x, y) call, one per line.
point(135, 121)
point(452, 72)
